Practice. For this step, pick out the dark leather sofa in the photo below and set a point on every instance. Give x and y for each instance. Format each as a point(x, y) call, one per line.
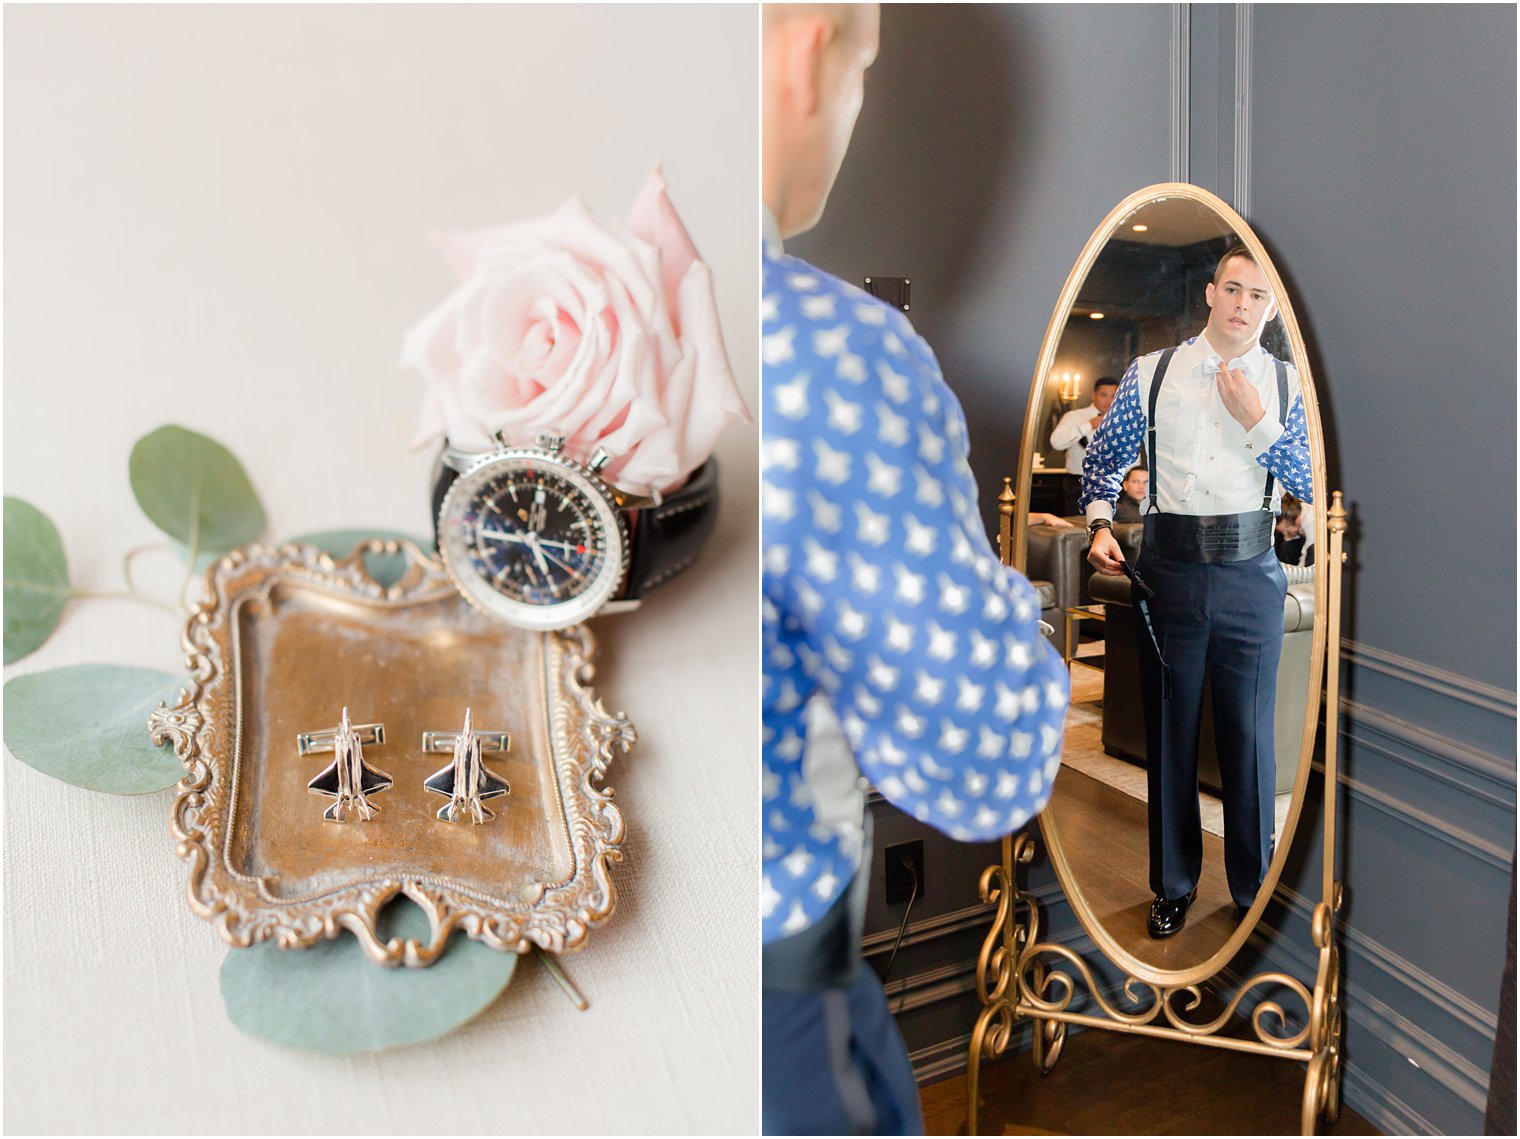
point(1058, 556)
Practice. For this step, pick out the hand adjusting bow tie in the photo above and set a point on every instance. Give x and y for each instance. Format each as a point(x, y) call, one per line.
point(1213, 365)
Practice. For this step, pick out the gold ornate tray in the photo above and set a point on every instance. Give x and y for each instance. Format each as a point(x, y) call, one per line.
point(287, 638)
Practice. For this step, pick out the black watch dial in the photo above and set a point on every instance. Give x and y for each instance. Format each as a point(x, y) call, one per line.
point(532, 541)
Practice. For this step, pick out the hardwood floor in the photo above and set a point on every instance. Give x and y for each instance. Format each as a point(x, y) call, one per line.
point(1105, 836)
point(1103, 833)
point(1108, 1083)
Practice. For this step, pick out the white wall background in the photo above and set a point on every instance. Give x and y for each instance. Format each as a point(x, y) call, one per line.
point(215, 216)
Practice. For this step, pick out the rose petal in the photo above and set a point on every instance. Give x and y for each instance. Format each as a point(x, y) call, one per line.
point(653, 219)
point(698, 305)
point(576, 231)
point(460, 248)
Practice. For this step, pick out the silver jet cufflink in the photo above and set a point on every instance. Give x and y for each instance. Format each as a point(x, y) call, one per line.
point(466, 782)
point(348, 781)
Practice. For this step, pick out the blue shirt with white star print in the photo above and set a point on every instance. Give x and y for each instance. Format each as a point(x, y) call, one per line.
point(882, 592)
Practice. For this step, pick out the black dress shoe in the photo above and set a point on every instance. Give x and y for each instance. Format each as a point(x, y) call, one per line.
point(1169, 916)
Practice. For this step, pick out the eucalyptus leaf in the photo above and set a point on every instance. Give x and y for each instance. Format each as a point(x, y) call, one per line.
point(331, 998)
point(384, 568)
point(36, 578)
point(194, 490)
point(87, 725)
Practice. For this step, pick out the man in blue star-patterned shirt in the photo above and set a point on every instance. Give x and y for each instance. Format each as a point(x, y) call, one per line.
point(896, 646)
point(1224, 429)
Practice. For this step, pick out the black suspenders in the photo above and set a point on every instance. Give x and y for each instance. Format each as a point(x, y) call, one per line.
point(1150, 419)
point(1282, 415)
point(1150, 416)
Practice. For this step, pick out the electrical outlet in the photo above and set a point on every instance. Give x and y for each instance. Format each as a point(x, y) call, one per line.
point(905, 862)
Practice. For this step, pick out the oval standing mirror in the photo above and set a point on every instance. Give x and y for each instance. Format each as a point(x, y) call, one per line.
point(1225, 554)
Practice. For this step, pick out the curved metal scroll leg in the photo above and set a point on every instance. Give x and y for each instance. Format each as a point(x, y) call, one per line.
point(997, 967)
point(1046, 1036)
point(1322, 1085)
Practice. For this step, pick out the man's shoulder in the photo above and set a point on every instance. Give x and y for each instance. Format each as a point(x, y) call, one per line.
point(1274, 361)
point(1180, 346)
point(794, 290)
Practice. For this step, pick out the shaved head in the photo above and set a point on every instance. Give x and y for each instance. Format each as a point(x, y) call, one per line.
point(844, 17)
point(814, 62)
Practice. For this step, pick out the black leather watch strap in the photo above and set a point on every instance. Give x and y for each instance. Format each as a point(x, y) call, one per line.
point(443, 478)
point(668, 538)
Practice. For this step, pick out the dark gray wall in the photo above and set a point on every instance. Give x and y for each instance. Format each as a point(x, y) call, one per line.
point(1378, 165)
point(1382, 178)
point(992, 142)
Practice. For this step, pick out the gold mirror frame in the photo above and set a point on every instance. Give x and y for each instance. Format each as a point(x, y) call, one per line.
point(1106, 943)
point(1014, 978)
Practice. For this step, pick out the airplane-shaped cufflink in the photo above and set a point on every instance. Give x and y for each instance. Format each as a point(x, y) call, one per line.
point(466, 781)
point(348, 781)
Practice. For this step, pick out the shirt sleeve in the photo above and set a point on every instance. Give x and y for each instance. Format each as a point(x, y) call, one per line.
point(1113, 448)
point(879, 568)
point(1288, 457)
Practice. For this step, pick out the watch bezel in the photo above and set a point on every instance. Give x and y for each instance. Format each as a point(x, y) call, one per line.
point(479, 592)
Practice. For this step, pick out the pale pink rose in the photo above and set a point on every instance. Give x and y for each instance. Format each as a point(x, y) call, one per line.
point(607, 336)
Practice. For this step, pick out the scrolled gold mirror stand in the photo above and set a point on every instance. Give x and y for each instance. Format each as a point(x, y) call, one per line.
point(1019, 976)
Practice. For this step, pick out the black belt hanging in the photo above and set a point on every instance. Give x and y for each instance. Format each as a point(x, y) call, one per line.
point(1141, 596)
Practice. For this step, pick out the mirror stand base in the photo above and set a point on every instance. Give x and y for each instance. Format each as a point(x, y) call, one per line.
point(1020, 978)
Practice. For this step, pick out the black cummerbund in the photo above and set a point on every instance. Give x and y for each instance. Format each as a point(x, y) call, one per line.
point(1210, 538)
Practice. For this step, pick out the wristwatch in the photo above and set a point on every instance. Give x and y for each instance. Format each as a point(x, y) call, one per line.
point(535, 537)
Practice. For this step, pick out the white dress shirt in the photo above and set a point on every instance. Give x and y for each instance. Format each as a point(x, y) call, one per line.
point(1072, 431)
point(1206, 462)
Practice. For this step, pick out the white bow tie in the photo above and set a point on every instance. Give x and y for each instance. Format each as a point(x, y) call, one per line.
point(1213, 365)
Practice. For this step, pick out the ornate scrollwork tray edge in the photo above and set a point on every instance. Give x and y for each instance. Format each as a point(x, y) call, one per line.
point(585, 740)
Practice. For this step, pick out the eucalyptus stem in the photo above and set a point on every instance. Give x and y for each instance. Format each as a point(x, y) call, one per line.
point(560, 979)
point(125, 595)
point(192, 552)
point(135, 551)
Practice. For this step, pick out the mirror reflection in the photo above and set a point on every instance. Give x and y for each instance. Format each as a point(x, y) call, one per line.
point(1189, 643)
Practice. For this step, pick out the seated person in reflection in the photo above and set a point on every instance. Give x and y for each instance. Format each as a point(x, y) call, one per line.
point(1131, 495)
point(1038, 519)
point(896, 647)
point(1293, 539)
point(1229, 439)
point(1074, 431)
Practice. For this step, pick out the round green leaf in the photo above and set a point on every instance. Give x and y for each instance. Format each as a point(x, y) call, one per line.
point(384, 568)
point(36, 578)
point(194, 490)
point(331, 998)
point(87, 725)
